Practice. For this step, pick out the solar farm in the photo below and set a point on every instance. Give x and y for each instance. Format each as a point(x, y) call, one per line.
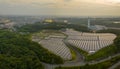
point(57, 46)
point(89, 42)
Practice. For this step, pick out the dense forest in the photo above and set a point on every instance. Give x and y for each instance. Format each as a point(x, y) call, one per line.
point(19, 52)
point(51, 26)
point(117, 43)
point(109, 22)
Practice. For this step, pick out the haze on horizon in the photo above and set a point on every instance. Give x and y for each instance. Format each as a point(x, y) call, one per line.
point(60, 7)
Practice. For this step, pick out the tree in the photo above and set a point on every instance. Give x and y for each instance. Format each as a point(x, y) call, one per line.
point(117, 42)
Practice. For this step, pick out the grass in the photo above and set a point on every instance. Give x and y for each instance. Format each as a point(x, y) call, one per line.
point(102, 53)
point(73, 54)
point(84, 53)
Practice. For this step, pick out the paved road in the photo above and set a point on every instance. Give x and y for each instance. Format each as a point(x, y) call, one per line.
point(113, 28)
point(79, 61)
point(115, 65)
point(79, 57)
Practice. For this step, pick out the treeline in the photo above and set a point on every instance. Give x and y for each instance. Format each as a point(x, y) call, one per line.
point(19, 52)
point(51, 26)
point(109, 22)
point(117, 43)
point(114, 31)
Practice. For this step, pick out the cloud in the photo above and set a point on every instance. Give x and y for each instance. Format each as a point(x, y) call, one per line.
point(67, 0)
point(62, 3)
point(60, 7)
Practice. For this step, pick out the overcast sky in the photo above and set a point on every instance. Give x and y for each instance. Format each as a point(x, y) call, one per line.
point(60, 7)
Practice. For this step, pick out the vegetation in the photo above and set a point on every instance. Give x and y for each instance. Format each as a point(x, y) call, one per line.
point(84, 53)
point(102, 53)
point(107, 51)
point(22, 62)
point(19, 52)
point(45, 33)
point(73, 54)
point(117, 43)
point(114, 31)
point(102, 65)
point(109, 22)
point(51, 26)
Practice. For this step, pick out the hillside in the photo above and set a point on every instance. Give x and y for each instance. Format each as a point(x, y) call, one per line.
point(19, 52)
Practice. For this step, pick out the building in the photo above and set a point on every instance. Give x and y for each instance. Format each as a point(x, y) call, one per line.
point(6, 24)
point(46, 21)
point(95, 27)
point(88, 23)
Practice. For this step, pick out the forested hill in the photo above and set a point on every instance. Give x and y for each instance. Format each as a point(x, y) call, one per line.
point(19, 52)
point(36, 27)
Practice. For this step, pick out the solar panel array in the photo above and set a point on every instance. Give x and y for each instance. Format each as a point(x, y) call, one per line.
point(57, 46)
point(90, 42)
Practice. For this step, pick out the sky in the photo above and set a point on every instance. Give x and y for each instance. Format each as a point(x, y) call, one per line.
point(60, 7)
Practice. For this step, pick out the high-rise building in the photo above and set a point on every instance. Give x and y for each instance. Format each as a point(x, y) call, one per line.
point(88, 23)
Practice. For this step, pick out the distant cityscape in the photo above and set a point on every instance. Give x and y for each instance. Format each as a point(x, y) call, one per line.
point(8, 22)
